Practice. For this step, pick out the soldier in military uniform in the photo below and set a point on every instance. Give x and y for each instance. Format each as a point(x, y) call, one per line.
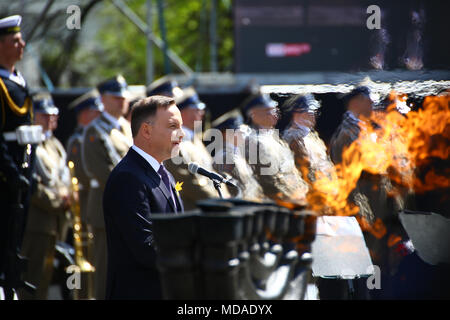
point(298, 119)
point(297, 122)
point(372, 192)
point(359, 109)
point(260, 111)
point(268, 155)
point(87, 107)
point(50, 200)
point(195, 187)
point(229, 158)
point(17, 142)
point(192, 112)
point(105, 141)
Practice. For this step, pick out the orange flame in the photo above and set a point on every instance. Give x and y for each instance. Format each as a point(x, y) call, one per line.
point(402, 144)
point(393, 240)
point(377, 229)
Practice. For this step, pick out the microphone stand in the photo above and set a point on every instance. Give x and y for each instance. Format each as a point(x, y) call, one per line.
point(217, 186)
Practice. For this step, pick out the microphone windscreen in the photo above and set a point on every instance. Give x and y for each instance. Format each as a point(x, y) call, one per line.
point(193, 167)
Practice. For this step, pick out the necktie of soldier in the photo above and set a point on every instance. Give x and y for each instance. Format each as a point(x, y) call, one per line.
point(122, 129)
point(165, 178)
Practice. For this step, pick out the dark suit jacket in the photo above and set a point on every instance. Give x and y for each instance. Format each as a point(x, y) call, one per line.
point(132, 193)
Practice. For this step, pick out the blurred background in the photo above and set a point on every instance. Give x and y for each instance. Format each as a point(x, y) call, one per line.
point(224, 47)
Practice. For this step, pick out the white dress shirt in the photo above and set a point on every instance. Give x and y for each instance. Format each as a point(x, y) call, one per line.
point(152, 161)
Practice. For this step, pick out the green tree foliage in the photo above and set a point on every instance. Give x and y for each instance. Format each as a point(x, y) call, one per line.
point(123, 46)
point(109, 43)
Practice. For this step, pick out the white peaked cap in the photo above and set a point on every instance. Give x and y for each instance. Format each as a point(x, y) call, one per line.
point(12, 21)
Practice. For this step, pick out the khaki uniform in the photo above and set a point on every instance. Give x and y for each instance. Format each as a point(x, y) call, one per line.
point(74, 154)
point(369, 201)
point(47, 216)
point(274, 167)
point(372, 197)
point(231, 161)
point(195, 187)
point(310, 152)
point(103, 147)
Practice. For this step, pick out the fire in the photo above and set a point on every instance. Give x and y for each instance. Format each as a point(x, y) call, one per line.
point(377, 229)
point(393, 240)
point(296, 200)
point(400, 148)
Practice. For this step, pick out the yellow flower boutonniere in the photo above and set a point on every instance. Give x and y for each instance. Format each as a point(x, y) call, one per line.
point(178, 187)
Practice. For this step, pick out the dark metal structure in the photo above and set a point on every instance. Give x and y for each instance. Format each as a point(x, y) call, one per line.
point(302, 35)
point(235, 249)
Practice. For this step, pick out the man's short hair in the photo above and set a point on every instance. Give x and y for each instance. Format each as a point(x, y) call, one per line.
point(145, 108)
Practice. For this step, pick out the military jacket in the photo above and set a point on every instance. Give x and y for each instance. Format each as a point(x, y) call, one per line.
point(309, 150)
point(103, 146)
point(274, 167)
point(74, 154)
point(16, 110)
point(230, 160)
point(52, 179)
point(195, 187)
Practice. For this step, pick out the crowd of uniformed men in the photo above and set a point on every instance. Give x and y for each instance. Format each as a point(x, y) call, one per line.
point(265, 163)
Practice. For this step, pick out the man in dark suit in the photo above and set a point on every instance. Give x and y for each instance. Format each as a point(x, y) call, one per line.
point(137, 187)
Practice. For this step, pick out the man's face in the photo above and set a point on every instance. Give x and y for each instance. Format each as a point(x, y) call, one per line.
point(307, 119)
point(45, 120)
point(365, 105)
point(87, 115)
point(264, 117)
point(190, 115)
point(116, 106)
point(92, 114)
point(12, 46)
point(53, 122)
point(166, 133)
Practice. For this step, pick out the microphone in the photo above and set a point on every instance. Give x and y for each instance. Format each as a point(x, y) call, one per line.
point(195, 168)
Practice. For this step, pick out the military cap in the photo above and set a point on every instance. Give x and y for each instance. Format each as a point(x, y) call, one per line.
point(189, 99)
point(361, 90)
point(305, 103)
point(165, 87)
point(230, 120)
point(43, 103)
point(116, 86)
point(10, 24)
point(90, 100)
point(258, 100)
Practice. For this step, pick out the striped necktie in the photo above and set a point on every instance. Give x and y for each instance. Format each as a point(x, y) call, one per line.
point(165, 178)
